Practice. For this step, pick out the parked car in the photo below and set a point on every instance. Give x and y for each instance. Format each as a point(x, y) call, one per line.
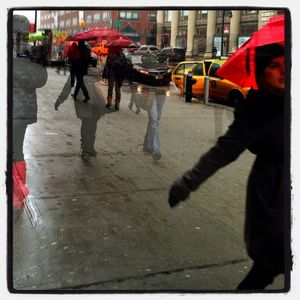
point(147, 49)
point(170, 54)
point(145, 68)
point(219, 89)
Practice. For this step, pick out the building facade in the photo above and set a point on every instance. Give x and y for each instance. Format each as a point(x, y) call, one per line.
point(139, 25)
point(198, 31)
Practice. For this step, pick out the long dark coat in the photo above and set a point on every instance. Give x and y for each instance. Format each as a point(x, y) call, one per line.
point(259, 127)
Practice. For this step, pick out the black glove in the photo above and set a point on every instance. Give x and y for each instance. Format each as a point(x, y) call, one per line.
point(177, 193)
point(56, 105)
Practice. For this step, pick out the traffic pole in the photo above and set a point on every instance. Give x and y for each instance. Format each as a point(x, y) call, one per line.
point(206, 89)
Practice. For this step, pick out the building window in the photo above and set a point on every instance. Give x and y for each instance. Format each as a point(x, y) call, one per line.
point(201, 31)
point(202, 14)
point(129, 15)
point(249, 12)
point(183, 15)
point(88, 19)
point(75, 22)
point(248, 28)
point(96, 17)
point(68, 22)
point(135, 16)
point(152, 17)
point(62, 24)
point(106, 15)
point(227, 13)
point(168, 15)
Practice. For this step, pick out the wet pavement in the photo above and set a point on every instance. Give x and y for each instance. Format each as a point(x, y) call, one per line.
point(105, 224)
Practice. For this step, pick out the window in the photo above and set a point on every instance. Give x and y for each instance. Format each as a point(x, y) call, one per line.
point(227, 13)
point(153, 49)
point(202, 14)
point(106, 15)
point(68, 22)
point(249, 12)
point(168, 15)
point(183, 15)
point(152, 17)
point(74, 22)
point(213, 70)
point(135, 16)
point(129, 15)
point(62, 24)
point(96, 17)
point(198, 70)
point(183, 68)
point(248, 28)
point(88, 19)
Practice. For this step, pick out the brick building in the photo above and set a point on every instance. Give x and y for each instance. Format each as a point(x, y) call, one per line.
point(138, 25)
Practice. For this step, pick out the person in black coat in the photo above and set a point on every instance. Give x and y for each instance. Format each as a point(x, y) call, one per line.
point(80, 69)
point(259, 127)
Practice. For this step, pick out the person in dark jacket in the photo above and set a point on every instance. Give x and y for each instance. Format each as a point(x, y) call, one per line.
point(80, 70)
point(114, 72)
point(73, 54)
point(259, 127)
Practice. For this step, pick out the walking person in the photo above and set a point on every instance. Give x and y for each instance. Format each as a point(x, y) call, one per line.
point(72, 55)
point(152, 100)
point(259, 127)
point(80, 69)
point(88, 114)
point(114, 72)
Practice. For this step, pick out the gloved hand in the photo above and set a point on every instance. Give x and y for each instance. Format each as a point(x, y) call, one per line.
point(56, 105)
point(177, 193)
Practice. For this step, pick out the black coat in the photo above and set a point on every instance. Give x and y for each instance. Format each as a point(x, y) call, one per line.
point(259, 127)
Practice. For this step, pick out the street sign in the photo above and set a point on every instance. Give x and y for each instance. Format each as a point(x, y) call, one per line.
point(118, 23)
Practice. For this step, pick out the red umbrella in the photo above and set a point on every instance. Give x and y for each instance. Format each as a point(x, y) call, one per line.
point(96, 33)
point(240, 67)
point(120, 42)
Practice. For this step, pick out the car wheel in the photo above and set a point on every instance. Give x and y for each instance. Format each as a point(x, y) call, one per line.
point(235, 98)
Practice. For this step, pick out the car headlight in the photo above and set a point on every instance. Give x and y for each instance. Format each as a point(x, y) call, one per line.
point(144, 72)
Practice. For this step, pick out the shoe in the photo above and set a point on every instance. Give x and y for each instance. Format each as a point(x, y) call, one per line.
point(85, 156)
point(108, 105)
point(147, 151)
point(156, 156)
point(86, 100)
point(93, 152)
point(117, 106)
point(73, 96)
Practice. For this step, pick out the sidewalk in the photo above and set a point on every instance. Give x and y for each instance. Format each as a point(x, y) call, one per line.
point(106, 224)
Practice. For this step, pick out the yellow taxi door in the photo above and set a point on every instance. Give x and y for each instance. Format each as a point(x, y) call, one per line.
point(198, 74)
point(179, 72)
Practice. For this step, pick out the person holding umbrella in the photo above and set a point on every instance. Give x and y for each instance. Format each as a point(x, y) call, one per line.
point(114, 72)
point(259, 127)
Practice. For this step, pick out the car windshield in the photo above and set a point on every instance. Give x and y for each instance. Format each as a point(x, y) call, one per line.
point(142, 59)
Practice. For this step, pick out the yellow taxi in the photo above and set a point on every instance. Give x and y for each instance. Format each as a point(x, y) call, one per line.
point(100, 49)
point(219, 88)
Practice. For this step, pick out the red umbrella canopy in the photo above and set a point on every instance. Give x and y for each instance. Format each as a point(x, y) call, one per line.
point(240, 67)
point(96, 33)
point(120, 42)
